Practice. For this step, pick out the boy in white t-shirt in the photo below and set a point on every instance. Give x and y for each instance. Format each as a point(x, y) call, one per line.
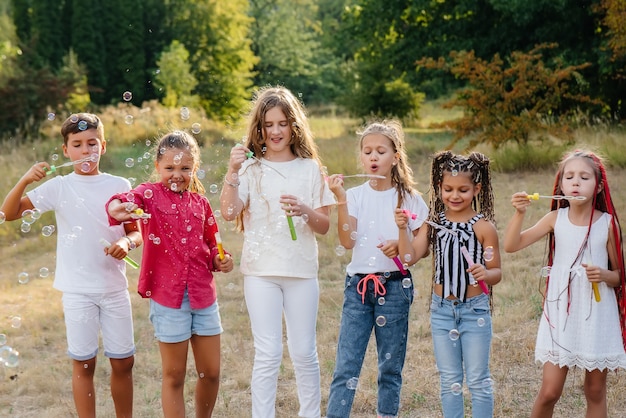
point(94, 285)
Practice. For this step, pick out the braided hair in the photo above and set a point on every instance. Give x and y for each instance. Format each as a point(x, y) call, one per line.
point(477, 165)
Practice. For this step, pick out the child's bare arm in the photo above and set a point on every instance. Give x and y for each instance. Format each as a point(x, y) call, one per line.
point(230, 203)
point(411, 247)
point(15, 202)
point(490, 272)
point(121, 212)
point(514, 238)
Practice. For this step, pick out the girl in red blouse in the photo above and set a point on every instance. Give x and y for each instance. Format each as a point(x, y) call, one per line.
point(179, 257)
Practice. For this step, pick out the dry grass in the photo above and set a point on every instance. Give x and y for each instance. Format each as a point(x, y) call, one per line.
point(41, 384)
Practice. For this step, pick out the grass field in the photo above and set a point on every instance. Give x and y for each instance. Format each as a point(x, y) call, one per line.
point(41, 384)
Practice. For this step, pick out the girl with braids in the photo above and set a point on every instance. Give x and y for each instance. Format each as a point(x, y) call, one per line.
point(464, 242)
point(578, 328)
point(378, 290)
point(281, 201)
point(179, 256)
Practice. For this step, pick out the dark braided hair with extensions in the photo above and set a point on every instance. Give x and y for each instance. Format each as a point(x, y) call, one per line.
point(602, 201)
point(477, 165)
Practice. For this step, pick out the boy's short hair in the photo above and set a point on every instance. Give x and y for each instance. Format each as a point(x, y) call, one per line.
point(78, 122)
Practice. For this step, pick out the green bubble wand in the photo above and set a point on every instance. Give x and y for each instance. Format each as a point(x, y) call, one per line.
point(54, 168)
point(128, 260)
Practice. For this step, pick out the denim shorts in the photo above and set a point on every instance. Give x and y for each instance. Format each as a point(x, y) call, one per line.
point(177, 325)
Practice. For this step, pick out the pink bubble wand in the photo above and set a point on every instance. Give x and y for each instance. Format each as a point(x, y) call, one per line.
point(395, 259)
point(467, 256)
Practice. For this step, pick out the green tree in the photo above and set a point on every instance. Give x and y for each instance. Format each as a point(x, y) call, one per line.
point(123, 48)
point(613, 55)
point(175, 77)
point(9, 49)
point(20, 12)
point(515, 100)
point(47, 33)
point(87, 41)
point(291, 54)
point(215, 34)
point(28, 96)
point(157, 36)
point(374, 76)
point(75, 74)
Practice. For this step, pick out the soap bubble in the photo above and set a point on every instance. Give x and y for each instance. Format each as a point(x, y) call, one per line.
point(47, 230)
point(454, 334)
point(23, 278)
point(352, 383)
point(456, 389)
point(16, 321)
point(127, 96)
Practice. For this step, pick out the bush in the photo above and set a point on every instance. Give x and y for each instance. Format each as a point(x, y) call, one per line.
point(515, 102)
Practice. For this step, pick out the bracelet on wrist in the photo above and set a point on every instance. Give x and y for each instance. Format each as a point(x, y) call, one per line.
point(131, 243)
point(232, 184)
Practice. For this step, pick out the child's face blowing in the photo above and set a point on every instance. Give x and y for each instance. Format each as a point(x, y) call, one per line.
point(86, 146)
point(578, 179)
point(378, 156)
point(175, 167)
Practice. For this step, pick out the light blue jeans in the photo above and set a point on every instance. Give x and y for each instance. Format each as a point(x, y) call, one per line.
point(462, 341)
point(388, 315)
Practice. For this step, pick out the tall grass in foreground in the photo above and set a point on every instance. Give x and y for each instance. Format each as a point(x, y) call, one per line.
point(41, 385)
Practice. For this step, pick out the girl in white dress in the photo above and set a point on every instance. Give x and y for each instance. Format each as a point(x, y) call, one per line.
point(584, 308)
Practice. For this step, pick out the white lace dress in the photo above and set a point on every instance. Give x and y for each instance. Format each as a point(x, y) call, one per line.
point(575, 330)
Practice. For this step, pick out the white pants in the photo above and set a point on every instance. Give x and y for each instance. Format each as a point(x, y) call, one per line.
point(267, 298)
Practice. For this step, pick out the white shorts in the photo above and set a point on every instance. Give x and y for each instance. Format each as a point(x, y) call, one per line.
point(87, 314)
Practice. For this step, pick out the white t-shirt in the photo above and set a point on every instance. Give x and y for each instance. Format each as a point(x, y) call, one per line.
point(78, 202)
point(268, 249)
point(374, 212)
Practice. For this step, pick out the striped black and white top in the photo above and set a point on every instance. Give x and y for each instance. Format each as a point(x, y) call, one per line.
point(450, 265)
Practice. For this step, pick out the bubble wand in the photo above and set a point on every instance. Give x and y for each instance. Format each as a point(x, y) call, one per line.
point(292, 228)
point(371, 176)
point(469, 260)
point(594, 287)
point(395, 259)
point(537, 196)
point(128, 260)
point(250, 154)
point(220, 248)
point(54, 168)
point(431, 223)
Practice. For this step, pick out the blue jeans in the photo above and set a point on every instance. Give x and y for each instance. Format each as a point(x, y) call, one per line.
point(462, 340)
point(388, 314)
